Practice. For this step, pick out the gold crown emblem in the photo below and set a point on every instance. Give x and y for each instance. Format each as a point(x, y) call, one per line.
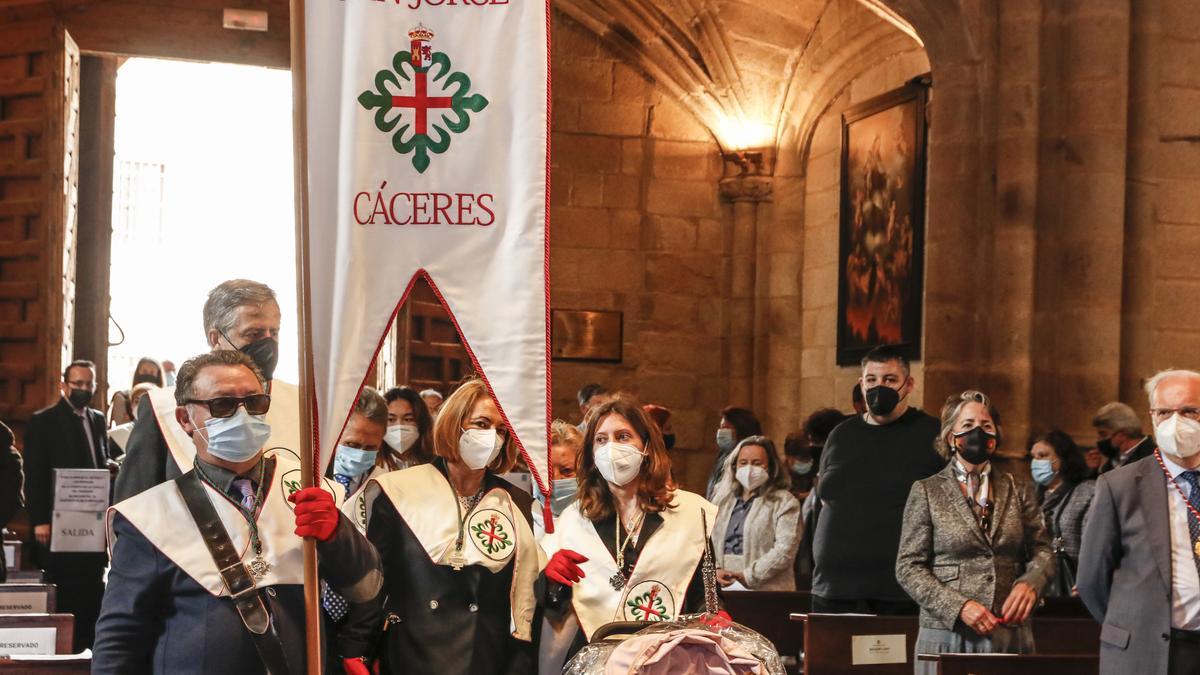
point(420, 33)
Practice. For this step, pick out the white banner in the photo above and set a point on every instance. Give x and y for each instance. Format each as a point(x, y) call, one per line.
point(427, 154)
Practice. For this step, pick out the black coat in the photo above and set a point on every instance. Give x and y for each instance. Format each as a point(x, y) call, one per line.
point(148, 460)
point(55, 439)
point(442, 621)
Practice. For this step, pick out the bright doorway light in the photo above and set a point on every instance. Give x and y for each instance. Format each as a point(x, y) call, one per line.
point(202, 193)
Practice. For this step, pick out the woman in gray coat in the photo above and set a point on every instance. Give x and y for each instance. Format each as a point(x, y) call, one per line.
point(757, 532)
point(973, 551)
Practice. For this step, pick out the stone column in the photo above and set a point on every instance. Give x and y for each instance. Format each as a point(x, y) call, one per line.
point(747, 191)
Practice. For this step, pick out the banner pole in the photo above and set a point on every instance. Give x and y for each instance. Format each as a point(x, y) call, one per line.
point(308, 440)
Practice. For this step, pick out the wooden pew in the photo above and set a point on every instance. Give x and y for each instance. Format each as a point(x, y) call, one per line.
point(11, 626)
point(1066, 636)
point(67, 665)
point(27, 598)
point(829, 640)
point(1063, 608)
point(1013, 664)
point(767, 612)
point(26, 577)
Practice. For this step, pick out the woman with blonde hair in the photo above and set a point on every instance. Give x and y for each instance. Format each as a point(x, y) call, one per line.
point(757, 527)
point(630, 547)
point(973, 551)
point(456, 543)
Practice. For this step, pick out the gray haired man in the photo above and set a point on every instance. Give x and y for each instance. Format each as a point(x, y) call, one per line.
point(1119, 436)
point(1141, 544)
point(239, 315)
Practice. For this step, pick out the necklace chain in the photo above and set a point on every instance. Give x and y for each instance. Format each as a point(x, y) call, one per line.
point(1170, 479)
point(255, 541)
point(629, 535)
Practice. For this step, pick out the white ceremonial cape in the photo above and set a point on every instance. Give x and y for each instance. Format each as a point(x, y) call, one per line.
point(284, 418)
point(665, 566)
point(161, 515)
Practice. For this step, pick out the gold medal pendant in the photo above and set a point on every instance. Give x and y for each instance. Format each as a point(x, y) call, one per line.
point(1196, 548)
point(457, 560)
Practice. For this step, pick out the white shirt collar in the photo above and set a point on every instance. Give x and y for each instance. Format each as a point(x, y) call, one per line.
point(1172, 468)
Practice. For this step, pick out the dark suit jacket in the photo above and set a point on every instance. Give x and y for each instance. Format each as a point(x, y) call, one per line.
point(1142, 450)
point(148, 460)
point(1124, 573)
point(55, 439)
point(157, 619)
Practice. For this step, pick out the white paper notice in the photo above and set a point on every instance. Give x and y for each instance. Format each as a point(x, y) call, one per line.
point(27, 640)
point(77, 532)
point(23, 602)
point(10, 556)
point(81, 489)
point(875, 649)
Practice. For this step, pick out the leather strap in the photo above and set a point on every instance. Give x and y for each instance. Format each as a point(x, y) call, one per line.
point(243, 592)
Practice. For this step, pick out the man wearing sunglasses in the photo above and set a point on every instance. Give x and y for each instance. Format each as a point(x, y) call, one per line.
point(168, 605)
point(240, 315)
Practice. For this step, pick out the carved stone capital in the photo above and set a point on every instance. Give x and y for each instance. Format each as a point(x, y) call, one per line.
point(747, 188)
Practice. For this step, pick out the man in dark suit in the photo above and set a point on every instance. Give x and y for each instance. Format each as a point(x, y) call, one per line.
point(67, 435)
point(1119, 436)
point(1139, 561)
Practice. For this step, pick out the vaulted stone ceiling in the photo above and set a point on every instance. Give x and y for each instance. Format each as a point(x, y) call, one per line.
point(734, 64)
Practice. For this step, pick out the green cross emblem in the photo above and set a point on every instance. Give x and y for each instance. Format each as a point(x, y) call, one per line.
point(422, 135)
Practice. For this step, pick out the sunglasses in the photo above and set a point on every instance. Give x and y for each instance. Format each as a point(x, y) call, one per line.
point(226, 406)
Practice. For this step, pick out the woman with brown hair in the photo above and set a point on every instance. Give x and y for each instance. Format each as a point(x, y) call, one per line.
point(629, 548)
point(409, 436)
point(456, 543)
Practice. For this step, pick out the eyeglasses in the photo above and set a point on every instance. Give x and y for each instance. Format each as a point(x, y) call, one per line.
point(1161, 414)
point(226, 406)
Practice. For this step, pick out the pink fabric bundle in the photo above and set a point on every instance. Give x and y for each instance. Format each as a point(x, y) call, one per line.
point(681, 652)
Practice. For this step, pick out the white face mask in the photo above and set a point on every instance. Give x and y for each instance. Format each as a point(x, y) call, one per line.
point(750, 476)
point(1178, 436)
point(237, 438)
point(618, 463)
point(401, 437)
point(478, 447)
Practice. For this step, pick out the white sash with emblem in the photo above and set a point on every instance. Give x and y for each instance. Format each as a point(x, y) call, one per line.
point(161, 515)
point(495, 533)
point(655, 590)
point(284, 418)
point(355, 506)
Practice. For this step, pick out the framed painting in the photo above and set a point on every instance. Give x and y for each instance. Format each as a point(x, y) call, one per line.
point(586, 335)
point(882, 224)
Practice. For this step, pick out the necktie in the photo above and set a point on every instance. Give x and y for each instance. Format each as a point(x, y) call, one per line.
point(246, 489)
point(335, 605)
point(1192, 480)
point(345, 482)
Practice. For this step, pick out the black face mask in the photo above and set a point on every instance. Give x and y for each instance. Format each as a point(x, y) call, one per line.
point(79, 398)
point(264, 352)
point(976, 446)
point(882, 400)
point(669, 440)
point(1106, 448)
point(146, 377)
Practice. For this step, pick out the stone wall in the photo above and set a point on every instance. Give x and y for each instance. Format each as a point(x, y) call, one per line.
point(636, 226)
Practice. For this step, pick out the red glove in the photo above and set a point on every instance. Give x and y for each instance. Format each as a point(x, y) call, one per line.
point(564, 567)
point(316, 514)
point(355, 667)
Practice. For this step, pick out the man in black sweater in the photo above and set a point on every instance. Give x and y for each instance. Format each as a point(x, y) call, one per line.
point(867, 469)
